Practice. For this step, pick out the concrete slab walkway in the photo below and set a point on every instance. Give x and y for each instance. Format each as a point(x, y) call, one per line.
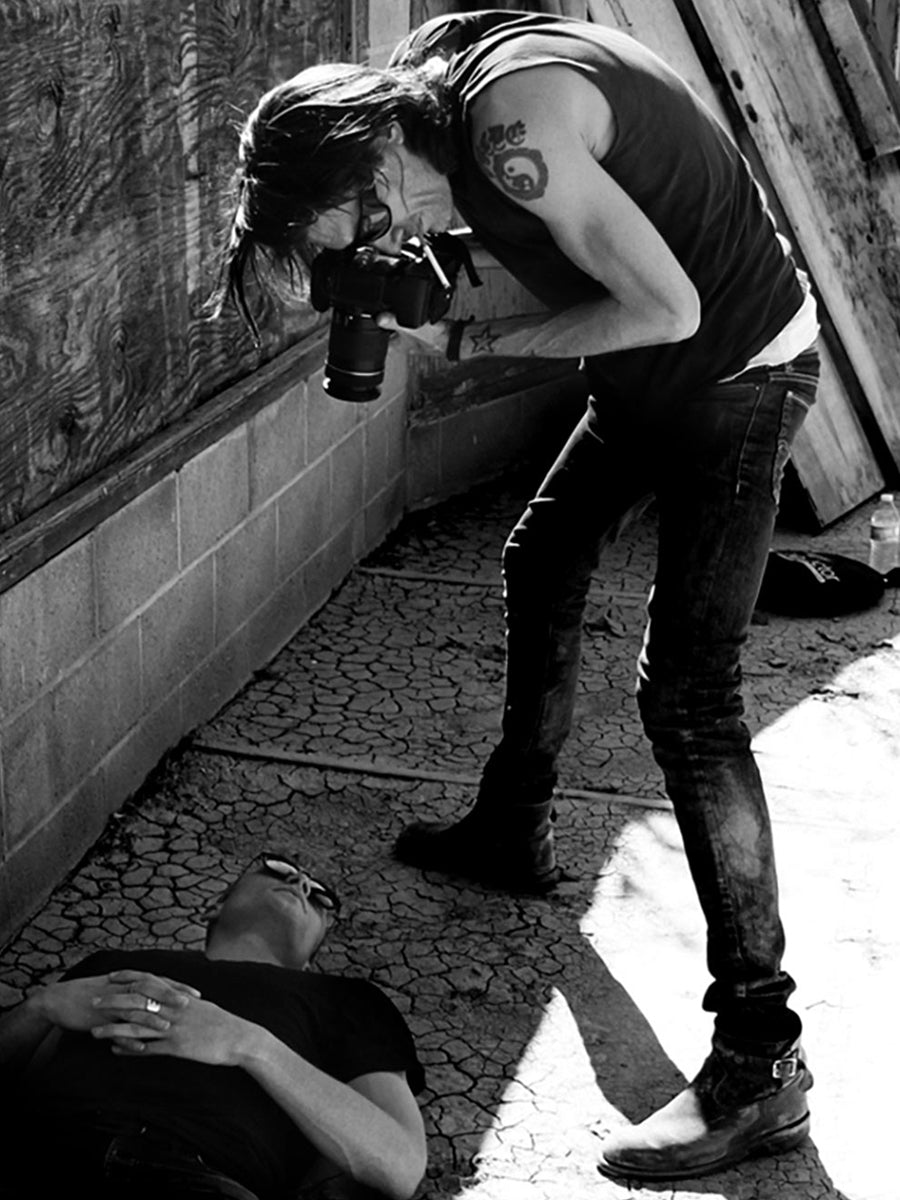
point(542, 1023)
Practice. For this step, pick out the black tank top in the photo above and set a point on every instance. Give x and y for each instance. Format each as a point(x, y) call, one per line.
point(670, 155)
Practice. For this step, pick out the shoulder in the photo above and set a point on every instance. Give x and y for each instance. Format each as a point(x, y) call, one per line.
point(550, 103)
point(344, 990)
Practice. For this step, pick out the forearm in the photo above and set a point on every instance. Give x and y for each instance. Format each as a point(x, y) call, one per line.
point(597, 327)
point(22, 1030)
point(347, 1128)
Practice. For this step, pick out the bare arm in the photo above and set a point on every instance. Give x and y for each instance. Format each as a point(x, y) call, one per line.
point(23, 1029)
point(371, 1128)
point(79, 1006)
point(540, 135)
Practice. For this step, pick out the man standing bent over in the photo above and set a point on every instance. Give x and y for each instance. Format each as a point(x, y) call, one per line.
point(600, 181)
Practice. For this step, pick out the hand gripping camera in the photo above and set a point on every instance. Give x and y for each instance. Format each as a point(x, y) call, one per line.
point(360, 282)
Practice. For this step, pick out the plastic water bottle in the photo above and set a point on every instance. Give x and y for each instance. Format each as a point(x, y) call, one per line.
point(884, 535)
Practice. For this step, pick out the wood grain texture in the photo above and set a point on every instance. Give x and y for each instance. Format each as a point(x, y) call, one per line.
point(846, 214)
point(118, 132)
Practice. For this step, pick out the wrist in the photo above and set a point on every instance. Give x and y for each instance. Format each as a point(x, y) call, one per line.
point(251, 1046)
point(454, 340)
point(39, 1006)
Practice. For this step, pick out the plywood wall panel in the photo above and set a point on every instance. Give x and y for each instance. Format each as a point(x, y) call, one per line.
point(117, 144)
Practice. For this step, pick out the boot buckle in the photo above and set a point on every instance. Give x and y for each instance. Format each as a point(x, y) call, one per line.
point(786, 1068)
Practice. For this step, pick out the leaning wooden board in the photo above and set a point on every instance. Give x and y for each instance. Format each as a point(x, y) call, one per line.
point(845, 215)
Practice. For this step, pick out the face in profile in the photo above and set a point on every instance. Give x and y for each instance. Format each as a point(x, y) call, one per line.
point(407, 198)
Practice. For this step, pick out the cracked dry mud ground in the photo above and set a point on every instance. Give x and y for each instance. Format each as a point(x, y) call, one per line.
point(541, 1023)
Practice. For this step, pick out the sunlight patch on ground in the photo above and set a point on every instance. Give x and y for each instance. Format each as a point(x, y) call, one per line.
point(831, 766)
point(540, 1145)
point(839, 749)
point(646, 925)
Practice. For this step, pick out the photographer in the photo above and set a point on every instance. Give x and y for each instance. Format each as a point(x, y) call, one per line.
point(598, 179)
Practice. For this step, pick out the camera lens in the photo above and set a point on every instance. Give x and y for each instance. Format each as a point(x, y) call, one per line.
point(357, 348)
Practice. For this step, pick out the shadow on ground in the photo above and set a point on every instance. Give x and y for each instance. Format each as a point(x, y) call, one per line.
point(538, 1030)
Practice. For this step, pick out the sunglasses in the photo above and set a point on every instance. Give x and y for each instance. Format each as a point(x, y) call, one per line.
point(320, 895)
point(374, 218)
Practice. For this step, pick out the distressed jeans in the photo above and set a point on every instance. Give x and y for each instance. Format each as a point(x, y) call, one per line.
point(715, 463)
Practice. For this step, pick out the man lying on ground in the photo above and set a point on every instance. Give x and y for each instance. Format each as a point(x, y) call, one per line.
point(229, 1072)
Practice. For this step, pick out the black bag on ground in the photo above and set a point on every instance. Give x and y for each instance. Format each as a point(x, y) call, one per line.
point(804, 583)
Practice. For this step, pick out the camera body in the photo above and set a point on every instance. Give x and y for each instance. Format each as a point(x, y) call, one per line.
point(359, 283)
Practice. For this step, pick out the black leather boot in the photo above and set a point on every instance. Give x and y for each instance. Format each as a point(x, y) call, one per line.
point(508, 847)
point(739, 1106)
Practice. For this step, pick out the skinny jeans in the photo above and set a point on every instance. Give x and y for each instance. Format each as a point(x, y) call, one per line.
point(715, 462)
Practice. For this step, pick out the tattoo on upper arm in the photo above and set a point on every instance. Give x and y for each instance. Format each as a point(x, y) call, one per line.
point(520, 171)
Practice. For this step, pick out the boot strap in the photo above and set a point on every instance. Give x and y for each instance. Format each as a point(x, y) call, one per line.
point(787, 1067)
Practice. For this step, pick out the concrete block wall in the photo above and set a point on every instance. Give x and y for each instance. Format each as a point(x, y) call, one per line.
point(449, 455)
point(121, 645)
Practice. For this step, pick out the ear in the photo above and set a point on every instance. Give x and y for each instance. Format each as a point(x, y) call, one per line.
point(395, 134)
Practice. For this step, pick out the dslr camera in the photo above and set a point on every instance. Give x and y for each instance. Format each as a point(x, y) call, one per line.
point(360, 282)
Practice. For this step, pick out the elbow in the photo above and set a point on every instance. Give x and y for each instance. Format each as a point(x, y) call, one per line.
point(398, 1177)
point(681, 321)
point(407, 1175)
point(407, 1180)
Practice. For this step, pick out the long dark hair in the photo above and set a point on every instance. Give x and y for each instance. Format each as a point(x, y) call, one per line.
point(312, 144)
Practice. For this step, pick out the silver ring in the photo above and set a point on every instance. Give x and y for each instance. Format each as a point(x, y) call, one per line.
point(152, 1006)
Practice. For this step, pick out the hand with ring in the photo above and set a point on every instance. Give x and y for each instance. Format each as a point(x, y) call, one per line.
point(81, 1005)
point(137, 1007)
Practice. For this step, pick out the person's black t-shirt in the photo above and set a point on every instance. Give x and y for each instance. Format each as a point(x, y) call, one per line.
point(346, 1027)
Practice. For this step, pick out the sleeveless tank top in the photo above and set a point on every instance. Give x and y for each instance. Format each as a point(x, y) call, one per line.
point(669, 154)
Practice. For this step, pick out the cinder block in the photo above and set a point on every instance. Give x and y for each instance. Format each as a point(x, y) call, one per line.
point(31, 770)
point(245, 571)
point(476, 444)
point(347, 470)
point(277, 621)
point(132, 759)
point(215, 682)
point(177, 632)
point(213, 494)
point(136, 553)
point(277, 445)
point(37, 864)
point(396, 373)
point(385, 441)
point(359, 547)
point(304, 517)
point(95, 705)
point(396, 418)
point(327, 420)
point(424, 484)
point(375, 434)
point(47, 622)
point(385, 512)
point(327, 570)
